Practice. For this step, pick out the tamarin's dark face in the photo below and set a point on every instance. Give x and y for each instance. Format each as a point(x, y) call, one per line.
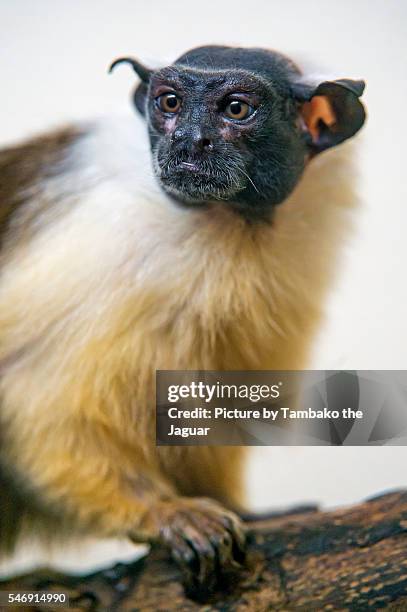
point(223, 135)
point(239, 125)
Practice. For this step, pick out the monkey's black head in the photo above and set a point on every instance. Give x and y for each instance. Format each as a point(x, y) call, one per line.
point(239, 125)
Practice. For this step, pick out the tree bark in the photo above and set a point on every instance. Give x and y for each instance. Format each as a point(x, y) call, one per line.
point(350, 559)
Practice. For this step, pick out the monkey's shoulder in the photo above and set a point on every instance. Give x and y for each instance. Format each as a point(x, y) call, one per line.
point(23, 163)
point(23, 167)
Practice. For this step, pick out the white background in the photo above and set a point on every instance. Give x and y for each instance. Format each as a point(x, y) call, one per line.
point(53, 60)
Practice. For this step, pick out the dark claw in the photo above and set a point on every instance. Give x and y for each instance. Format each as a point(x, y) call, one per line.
point(239, 537)
point(187, 561)
point(225, 550)
point(184, 553)
point(205, 553)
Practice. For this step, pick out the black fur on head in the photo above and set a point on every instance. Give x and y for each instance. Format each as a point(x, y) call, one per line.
point(239, 125)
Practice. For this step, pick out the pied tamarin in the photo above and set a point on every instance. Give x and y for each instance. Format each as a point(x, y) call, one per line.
point(208, 245)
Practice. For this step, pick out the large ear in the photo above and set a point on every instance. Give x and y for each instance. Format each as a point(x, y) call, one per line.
point(140, 93)
point(331, 111)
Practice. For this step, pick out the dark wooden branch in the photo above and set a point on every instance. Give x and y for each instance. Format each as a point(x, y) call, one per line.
point(350, 559)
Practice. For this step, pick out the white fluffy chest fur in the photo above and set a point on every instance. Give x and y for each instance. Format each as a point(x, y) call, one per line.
point(127, 281)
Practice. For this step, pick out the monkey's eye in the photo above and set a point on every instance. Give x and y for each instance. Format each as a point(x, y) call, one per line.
point(169, 103)
point(237, 109)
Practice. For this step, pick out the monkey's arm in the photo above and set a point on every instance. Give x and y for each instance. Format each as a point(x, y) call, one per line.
point(90, 478)
point(73, 433)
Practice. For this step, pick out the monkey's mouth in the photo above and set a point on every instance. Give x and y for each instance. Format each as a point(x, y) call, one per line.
point(194, 180)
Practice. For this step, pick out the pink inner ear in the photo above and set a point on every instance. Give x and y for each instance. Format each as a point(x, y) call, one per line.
point(317, 109)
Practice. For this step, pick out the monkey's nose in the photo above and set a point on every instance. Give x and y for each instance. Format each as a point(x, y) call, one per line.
point(192, 141)
point(201, 140)
point(203, 144)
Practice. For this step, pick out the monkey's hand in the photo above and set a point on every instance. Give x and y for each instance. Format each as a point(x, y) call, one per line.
point(205, 539)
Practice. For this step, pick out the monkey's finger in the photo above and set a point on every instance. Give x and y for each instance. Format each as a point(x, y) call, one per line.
point(235, 543)
point(204, 551)
point(235, 527)
point(185, 557)
point(223, 544)
point(221, 540)
point(217, 514)
point(226, 517)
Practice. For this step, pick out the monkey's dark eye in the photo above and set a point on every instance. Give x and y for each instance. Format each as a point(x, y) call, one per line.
point(169, 103)
point(237, 109)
